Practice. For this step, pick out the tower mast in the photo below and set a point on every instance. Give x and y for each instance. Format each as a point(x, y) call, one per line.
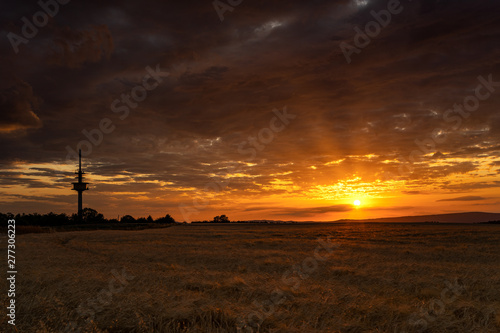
point(80, 186)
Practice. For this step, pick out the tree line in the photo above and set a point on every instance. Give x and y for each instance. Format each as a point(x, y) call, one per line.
point(217, 219)
point(89, 216)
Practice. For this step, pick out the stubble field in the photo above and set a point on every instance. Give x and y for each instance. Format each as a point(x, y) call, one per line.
point(260, 278)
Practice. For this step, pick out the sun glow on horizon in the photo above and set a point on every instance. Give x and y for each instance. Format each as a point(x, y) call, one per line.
point(356, 203)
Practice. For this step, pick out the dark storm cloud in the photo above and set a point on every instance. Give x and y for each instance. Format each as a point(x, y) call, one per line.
point(302, 212)
point(47, 198)
point(75, 48)
point(389, 208)
point(464, 198)
point(17, 108)
point(471, 186)
point(227, 77)
point(412, 192)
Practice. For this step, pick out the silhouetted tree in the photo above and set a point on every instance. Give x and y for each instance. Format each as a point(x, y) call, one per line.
point(4, 218)
point(141, 220)
point(221, 219)
point(50, 219)
point(127, 219)
point(90, 215)
point(166, 219)
point(150, 219)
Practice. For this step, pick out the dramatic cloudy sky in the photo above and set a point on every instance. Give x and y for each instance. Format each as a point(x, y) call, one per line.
point(381, 129)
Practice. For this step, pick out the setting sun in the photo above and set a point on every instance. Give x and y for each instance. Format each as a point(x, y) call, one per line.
point(357, 203)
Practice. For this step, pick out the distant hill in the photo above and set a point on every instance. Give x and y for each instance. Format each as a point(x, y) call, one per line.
point(471, 217)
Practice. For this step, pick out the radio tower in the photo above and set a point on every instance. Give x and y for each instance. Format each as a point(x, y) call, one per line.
point(80, 186)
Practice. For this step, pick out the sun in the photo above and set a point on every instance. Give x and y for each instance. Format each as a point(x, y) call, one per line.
point(357, 203)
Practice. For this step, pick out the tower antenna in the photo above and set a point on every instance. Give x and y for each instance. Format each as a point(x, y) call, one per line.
point(80, 186)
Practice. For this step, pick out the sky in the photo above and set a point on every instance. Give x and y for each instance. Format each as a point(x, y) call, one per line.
point(283, 110)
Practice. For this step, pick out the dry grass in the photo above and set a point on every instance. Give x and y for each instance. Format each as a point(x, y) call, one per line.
point(31, 229)
point(203, 278)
